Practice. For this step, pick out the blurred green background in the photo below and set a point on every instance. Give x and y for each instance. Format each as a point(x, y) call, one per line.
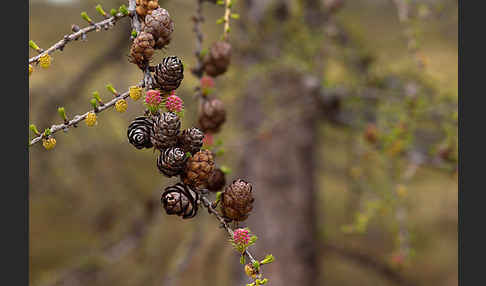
point(95, 214)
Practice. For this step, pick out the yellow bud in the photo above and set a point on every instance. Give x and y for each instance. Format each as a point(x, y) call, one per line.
point(45, 61)
point(91, 119)
point(31, 69)
point(402, 191)
point(121, 105)
point(135, 92)
point(250, 271)
point(49, 143)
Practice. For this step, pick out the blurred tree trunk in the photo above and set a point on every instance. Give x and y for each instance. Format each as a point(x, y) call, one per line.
point(280, 165)
point(279, 160)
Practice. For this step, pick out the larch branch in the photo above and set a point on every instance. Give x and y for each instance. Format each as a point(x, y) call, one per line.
point(76, 35)
point(79, 118)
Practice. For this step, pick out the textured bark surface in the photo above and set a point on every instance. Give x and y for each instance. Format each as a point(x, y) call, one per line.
point(280, 165)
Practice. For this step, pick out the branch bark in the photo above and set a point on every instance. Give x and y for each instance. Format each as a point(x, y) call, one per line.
point(76, 35)
point(74, 87)
point(78, 118)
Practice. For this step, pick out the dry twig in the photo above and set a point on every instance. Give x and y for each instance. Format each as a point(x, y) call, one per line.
point(78, 118)
point(76, 35)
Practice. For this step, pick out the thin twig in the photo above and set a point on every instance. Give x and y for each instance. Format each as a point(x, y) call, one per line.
point(73, 88)
point(79, 118)
point(198, 70)
point(198, 19)
point(224, 224)
point(76, 35)
point(227, 16)
point(136, 25)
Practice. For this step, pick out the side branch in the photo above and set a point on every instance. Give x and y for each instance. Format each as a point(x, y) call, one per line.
point(76, 35)
point(136, 25)
point(207, 204)
point(198, 18)
point(79, 118)
point(227, 16)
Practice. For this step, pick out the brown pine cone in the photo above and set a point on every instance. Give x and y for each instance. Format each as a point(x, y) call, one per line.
point(212, 115)
point(218, 59)
point(217, 180)
point(237, 200)
point(166, 130)
point(142, 50)
point(180, 200)
point(169, 73)
point(160, 25)
point(172, 162)
point(191, 140)
point(198, 169)
point(145, 7)
point(139, 132)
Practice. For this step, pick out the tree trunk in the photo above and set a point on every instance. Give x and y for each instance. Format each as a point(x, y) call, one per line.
point(279, 156)
point(280, 165)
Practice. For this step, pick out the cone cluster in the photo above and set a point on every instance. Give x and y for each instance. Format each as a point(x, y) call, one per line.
point(156, 32)
point(160, 25)
point(179, 151)
point(212, 113)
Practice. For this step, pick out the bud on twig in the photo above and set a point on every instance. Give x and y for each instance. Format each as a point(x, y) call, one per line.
point(33, 128)
point(47, 132)
point(34, 46)
point(96, 96)
point(123, 9)
point(75, 28)
point(94, 104)
point(45, 60)
point(100, 10)
point(62, 113)
point(251, 271)
point(135, 92)
point(268, 259)
point(121, 105)
point(49, 143)
point(113, 12)
point(111, 89)
point(91, 119)
point(85, 16)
